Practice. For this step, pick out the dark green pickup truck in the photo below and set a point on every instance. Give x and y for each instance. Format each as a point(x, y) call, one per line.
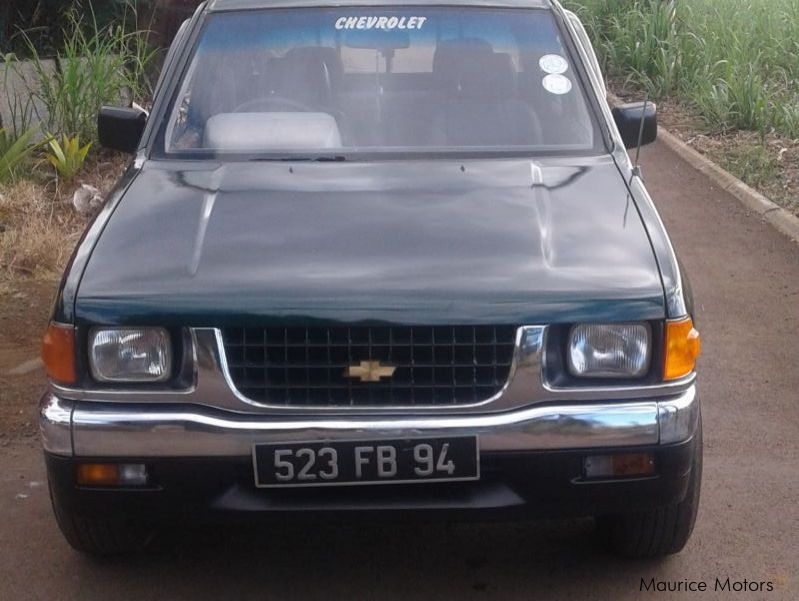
point(375, 259)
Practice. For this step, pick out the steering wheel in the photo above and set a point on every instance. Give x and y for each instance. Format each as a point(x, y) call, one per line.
point(274, 101)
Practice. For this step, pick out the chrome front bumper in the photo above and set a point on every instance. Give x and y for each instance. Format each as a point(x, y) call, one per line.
point(92, 429)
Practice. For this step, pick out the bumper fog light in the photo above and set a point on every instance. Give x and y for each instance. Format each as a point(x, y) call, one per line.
point(624, 464)
point(111, 474)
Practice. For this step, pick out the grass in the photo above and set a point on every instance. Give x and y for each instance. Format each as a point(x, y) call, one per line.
point(730, 68)
point(735, 61)
point(38, 174)
point(754, 163)
point(37, 235)
point(15, 150)
point(20, 107)
point(96, 66)
point(38, 225)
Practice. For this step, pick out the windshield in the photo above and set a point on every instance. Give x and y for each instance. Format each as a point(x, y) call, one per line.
point(330, 82)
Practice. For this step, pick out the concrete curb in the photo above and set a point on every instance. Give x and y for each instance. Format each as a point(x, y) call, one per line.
point(781, 219)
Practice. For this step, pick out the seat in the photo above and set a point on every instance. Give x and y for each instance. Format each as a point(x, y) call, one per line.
point(481, 108)
point(307, 78)
point(303, 80)
point(451, 55)
point(324, 55)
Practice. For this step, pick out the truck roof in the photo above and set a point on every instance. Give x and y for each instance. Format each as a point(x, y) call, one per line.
point(223, 5)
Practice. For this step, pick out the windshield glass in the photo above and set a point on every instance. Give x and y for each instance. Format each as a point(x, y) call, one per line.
point(349, 80)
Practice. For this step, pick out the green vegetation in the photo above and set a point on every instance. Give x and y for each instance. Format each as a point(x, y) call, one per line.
point(67, 156)
point(14, 151)
point(96, 62)
point(753, 164)
point(735, 61)
point(98, 65)
point(42, 21)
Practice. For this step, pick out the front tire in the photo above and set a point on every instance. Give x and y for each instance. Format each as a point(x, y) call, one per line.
point(661, 531)
point(101, 537)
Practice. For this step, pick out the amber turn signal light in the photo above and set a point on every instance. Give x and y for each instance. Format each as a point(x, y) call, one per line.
point(682, 348)
point(622, 465)
point(58, 353)
point(111, 474)
point(97, 474)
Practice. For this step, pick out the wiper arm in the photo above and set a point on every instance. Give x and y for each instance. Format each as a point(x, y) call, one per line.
point(321, 158)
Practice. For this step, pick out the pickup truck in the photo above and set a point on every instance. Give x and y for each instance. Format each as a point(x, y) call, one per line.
point(375, 259)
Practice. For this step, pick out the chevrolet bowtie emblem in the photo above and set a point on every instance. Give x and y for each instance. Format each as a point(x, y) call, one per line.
point(369, 371)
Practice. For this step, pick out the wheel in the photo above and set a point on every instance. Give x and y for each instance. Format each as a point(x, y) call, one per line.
point(661, 531)
point(101, 537)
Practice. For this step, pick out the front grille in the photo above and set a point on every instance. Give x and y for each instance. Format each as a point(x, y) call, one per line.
point(449, 365)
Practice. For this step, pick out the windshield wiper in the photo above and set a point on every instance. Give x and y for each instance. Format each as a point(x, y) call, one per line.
point(325, 158)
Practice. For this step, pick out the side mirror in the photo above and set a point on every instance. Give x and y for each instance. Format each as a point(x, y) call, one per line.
point(628, 120)
point(121, 128)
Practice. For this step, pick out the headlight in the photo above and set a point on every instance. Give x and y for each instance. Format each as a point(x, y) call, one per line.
point(609, 350)
point(130, 354)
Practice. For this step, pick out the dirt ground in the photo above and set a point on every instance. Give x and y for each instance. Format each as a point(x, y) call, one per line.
point(746, 283)
point(24, 311)
point(39, 226)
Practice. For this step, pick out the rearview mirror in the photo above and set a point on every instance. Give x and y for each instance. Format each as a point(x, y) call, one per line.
point(628, 120)
point(121, 128)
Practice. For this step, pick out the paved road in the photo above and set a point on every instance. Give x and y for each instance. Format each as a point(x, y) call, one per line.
point(746, 280)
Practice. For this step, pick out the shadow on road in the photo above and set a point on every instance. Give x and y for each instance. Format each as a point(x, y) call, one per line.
point(373, 561)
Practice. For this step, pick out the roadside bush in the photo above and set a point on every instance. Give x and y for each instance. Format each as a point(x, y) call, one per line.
point(14, 151)
point(19, 107)
point(42, 19)
point(639, 40)
point(97, 65)
point(39, 225)
point(735, 61)
point(67, 156)
point(40, 219)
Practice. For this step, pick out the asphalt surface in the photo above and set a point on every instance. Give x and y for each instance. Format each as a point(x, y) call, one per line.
point(746, 283)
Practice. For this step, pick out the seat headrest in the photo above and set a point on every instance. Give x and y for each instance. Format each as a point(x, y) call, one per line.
point(450, 53)
point(320, 54)
point(306, 79)
point(488, 76)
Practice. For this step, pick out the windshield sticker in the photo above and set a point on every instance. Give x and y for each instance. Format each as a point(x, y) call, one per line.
point(387, 23)
point(554, 83)
point(553, 63)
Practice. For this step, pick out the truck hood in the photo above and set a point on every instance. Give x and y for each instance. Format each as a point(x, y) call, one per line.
point(489, 241)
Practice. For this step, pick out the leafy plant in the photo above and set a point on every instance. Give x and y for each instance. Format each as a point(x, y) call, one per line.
point(97, 65)
point(14, 151)
point(67, 156)
point(735, 61)
point(19, 107)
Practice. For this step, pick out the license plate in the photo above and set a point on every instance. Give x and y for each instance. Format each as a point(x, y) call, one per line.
point(352, 462)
